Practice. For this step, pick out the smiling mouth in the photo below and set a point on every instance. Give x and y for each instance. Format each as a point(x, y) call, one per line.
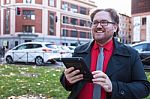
point(99, 31)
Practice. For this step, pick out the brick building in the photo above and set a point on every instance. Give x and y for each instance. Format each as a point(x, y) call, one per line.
point(58, 21)
point(141, 20)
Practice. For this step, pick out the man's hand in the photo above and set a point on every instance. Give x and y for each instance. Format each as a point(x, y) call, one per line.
point(103, 80)
point(73, 75)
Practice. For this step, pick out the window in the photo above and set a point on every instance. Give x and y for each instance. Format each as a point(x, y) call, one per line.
point(16, 43)
point(65, 6)
point(89, 35)
point(82, 34)
point(51, 29)
point(82, 23)
point(29, 1)
point(7, 30)
point(29, 28)
point(52, 3)
point(89, 24)
point(74, 33)
point(27, 40)
point(82, 10)
point(74, 21)
point(65, 33)
point(140, 47)
point(65, 19)
point(144, 21)
point(148, 47)
point(74, 8)
point(21, 47)
point(29, 14)
point(37, 45)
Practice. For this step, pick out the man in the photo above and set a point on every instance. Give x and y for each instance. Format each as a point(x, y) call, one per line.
point(122, 75)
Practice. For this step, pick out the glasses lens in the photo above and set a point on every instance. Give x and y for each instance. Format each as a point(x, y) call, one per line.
point(104, 22)
point(95, 23)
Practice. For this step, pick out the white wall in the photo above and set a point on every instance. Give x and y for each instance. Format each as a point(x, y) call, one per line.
point(136, 29)
point(148, 29)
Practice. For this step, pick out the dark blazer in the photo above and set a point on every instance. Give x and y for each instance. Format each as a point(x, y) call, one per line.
point(125, 70)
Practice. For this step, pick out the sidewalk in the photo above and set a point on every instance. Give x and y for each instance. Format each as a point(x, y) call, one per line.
point(1, 60)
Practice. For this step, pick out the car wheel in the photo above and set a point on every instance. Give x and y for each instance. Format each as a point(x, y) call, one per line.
point(39, 61)
point(9, 60)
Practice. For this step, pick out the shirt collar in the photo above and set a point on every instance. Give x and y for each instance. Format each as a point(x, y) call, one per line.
point(108, 46)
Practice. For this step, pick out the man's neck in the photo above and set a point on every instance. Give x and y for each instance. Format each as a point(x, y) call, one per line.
point(103, 43)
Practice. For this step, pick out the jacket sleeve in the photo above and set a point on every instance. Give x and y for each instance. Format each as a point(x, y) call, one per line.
point(64, 83)
point(137, 88)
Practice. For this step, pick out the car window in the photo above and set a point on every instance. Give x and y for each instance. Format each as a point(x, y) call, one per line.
point(37, 45)
point(21, 47)
point(140, 47)
point(29, 46)
point(148, 47)
point(51, 46)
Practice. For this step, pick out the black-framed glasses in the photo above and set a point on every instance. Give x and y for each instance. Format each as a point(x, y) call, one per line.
point(102, 23)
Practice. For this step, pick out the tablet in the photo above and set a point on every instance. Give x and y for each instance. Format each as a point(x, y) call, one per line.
point(78, 63)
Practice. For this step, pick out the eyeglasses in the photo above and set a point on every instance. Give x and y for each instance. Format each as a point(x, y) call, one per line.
point(102, 23)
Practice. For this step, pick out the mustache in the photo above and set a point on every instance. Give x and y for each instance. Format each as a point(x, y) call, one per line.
point(100, 29)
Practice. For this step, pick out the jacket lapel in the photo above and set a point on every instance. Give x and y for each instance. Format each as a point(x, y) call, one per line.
point(115, 63)
point(113, 66)
point(87, 53)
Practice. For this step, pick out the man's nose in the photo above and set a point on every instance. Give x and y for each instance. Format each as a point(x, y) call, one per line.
point(99, 25)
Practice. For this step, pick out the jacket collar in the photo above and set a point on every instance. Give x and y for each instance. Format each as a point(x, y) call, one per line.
point(120, 49)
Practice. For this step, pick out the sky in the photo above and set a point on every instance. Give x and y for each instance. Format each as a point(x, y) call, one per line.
point(122, 6)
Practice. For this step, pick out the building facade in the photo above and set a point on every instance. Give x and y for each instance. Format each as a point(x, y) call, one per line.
point(141, 20)
point(125, 30)
point(57, 21)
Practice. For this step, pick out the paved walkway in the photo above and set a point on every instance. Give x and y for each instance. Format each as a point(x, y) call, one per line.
point(1, 60)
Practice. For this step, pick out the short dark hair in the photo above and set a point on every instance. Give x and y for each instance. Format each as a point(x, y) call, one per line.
point(113, 14)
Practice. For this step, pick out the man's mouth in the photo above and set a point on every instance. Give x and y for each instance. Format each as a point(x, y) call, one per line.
point(99, 31)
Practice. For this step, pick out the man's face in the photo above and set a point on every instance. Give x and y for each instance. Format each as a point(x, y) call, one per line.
point(103, 27)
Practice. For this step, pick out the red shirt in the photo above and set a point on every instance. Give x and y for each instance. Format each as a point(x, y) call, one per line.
point(87, 90)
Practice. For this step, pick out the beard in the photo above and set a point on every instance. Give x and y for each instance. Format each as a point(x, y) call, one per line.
point(102, 38)
point(99, 36)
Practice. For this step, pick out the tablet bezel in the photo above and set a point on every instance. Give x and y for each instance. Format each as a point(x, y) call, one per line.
point(78, 63)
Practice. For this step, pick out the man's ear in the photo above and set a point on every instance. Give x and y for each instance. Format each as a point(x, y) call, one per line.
point(115, 28)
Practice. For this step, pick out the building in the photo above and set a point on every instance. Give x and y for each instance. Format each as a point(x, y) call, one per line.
point(57, 21)
point(125, 28)
point(140, 11)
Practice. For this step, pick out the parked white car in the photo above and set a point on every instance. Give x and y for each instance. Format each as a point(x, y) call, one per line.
point(37, 52)
point(64, 51)
point(71, 48)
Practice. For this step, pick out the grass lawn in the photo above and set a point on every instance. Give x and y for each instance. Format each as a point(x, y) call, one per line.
point(30, 80)
point(41, 81)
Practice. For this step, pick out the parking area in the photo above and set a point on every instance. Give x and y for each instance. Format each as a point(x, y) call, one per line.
point(57, 64)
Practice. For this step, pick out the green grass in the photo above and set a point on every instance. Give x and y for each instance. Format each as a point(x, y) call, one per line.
point(21, 80)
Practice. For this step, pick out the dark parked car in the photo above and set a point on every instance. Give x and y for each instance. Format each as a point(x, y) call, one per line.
point(144, 50)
